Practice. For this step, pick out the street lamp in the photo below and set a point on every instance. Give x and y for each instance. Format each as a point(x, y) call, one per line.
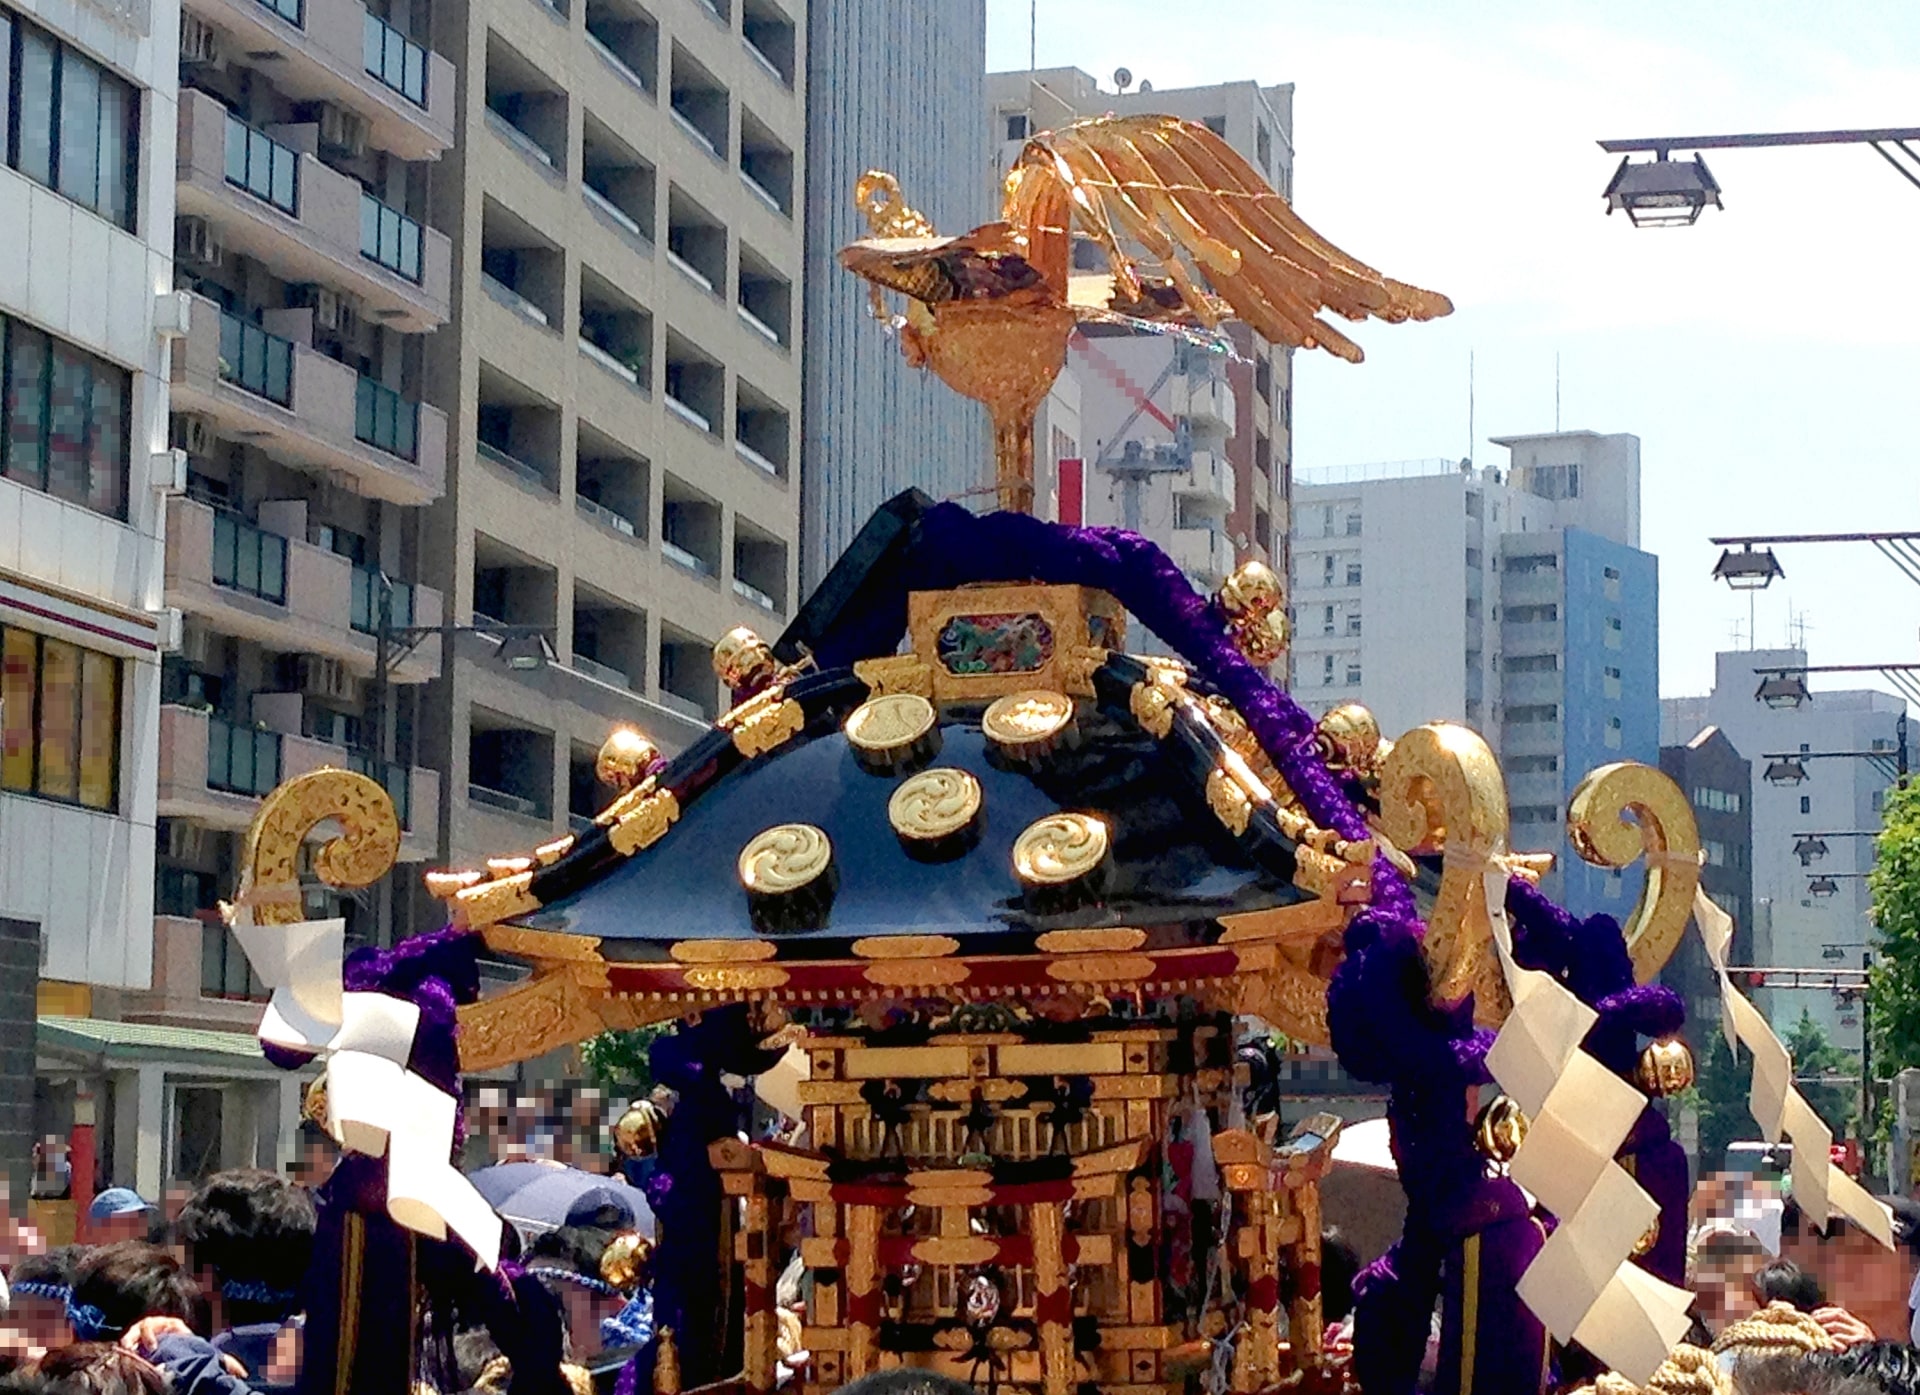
point(1748, 570)
point(1823, 886)
point(1665, 193)
point(1809, 849)
point(1662, 193)
point(1785, 771)
point(1783, 690)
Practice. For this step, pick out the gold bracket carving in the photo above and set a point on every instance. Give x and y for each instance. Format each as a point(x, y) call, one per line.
point(364, 852)
point(1664, 830)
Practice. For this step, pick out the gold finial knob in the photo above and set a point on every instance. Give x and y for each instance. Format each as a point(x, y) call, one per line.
point(1665, 1068)
point(1251, 589)
point(626, 757)
point(624, 1262)
point(1349, 739)
point(1500, 1129)
point(314, 1107)
point(666, 1364)
point(636, 1134)
point(744, 661)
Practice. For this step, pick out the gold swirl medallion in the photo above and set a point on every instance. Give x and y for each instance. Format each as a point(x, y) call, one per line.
point(934, 804)
point(784, 859)
point(1025, 725)
point(1059, 849)
point(893, 729)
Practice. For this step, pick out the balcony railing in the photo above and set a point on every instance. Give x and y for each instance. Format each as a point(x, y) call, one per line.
point(690, 271)
point(365, 614)
point(605, 516)
point(608, 361)
point(241, 760)
point(513, 300)
point(520, 140)
point(759, 326)
point(253, 359)
point(385, 420)
point(693, 562)
point(604, 673)
point(532, 474)
point(694, 133)
point(747, 591)
point(499, 799)
point(396, 780)
point(389, 237)
point(619, 64)
point(396, 60)
point(692, 418)
point(611, 209)
point(755, 459)
point(249, 559)
point(766, 195)
point(262, 166)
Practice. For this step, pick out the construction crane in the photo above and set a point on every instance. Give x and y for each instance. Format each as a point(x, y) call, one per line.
point(1132, 463)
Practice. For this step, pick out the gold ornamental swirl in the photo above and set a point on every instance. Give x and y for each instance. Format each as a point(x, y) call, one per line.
point(1441, 791)
point(1059, 848)
point(890, 722)
point(934, 804)
point(784, 859)
point(364, 852)
point(1663, 829)
point(1021, 719)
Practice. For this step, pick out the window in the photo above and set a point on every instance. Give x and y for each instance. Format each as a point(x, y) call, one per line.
point(1263, 147)
point(1329, 562)
point(1610, 583)
point(75, 125)
point(389, 237)
point(224, 969)
point(1326, 676)
point(262, 166)
point(1532, 614)
point(1610, 682)
point(1535, 562)
point(1353, 622)
point(1718, 801)
point(1612, 736)
point(1530, 663)
point(1353, 525)
point(1353, 573)
point(386, 420)
point(1554, 481)
point(249, 559)
point(1353, 672)
point(1017, 125)
point(64, 421)
point(1216, 124)
point(1806, 804)
point(1716, 852)
point(1532, 765)
point(1614, 634)
point(1326, 624)
point(1473, 559)
point(1536, 813)
point(1527, 713)
point(60, 706)
point(253, 359)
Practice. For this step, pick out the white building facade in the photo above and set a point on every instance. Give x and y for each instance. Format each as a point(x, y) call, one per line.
point(1811, 914)
point(1516, 601)
point(86, 218)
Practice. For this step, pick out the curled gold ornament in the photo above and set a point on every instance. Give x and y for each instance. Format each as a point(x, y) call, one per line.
point(1059, 849)
point(1500, 1129)
point(1441, 791)
point(636, 1133)
point(624, 1262)
point(1026, 724)
point(743, 660)
point(934, 804)
point(891, 727)
point(1664, 830)
point(1648, 1239)
point(364, 852)
point(784, 859)
point(625, 758)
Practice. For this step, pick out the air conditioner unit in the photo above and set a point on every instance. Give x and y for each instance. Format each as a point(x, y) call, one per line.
point(191, 432)
point(329, 679)
point(196, 646)
point(332, 310)
point(183, 841)
point(199, 43)
point(194, 240)
point(342, 132)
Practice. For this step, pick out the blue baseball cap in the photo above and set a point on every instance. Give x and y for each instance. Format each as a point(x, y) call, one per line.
point(117, 1201)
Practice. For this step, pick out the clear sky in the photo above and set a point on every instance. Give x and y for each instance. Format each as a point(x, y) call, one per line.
point(1768, 357)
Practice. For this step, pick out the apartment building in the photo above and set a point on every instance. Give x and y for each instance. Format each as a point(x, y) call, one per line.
point(1192, 448)
point(622, 384)
point(1821, 770)
point(1718, 781)
point(903, 87)
point(86, 218)
point(1516, 601)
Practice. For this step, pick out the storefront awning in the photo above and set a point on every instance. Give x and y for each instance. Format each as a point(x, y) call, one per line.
point(96, 1042)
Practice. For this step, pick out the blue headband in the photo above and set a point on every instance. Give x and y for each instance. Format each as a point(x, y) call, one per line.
point(89, 1323)
point(43, 1288)
point(586, 1281)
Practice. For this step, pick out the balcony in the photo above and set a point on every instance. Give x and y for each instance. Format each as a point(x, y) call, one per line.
point(689, 528)
point(525, 107)
point(1206, 403)
point(759, 567)
point(696, 385)
point(215, 771)
point(699, 105)
point(764, 301)
point(1209, 483)
point(610, 484)
point(323, 423)
point(762, 434)
point(304, 221)
point(766, 165)
point(769, 37)
point(1534, 637)
point(1529, 689)
point(1205, 554)
point(628, 38)
point(283, 592)
point(616, 333)
point(338, 52)
point(617, 183)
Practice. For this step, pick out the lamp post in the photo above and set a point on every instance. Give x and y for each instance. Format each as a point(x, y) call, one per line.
point(1664, 192)
point(1811, 847)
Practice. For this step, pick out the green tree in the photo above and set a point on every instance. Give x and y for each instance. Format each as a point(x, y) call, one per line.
point(1893, 986)
point(1720, 1094)
point(1815, 1060)
point(618, 1060)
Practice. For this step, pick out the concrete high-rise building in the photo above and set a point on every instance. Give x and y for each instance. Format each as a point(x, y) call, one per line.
point(1718, 782)
point(622, 383)
point(86, 218)
point(1810, 914)
point(1192, 448)
point(1516, 601)
point(900, 88)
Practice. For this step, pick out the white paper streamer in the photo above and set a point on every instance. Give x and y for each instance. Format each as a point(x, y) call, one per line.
point(375, 1105)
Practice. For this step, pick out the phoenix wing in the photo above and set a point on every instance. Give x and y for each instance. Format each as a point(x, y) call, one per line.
point(1176, 192)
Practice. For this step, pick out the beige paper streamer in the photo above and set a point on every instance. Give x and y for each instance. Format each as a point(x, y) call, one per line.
point(1822, 1190)
point(1583, 1285)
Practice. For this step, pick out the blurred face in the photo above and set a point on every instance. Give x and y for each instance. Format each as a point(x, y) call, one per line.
point(1724, 1286)
point(134, 1225)
point(585, 1309)
point(1869, 1282)
point(43, 1320)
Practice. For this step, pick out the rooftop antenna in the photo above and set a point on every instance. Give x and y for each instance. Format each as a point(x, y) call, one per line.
point(1737, 632)
point(1797, 629)
point(1122, 79)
